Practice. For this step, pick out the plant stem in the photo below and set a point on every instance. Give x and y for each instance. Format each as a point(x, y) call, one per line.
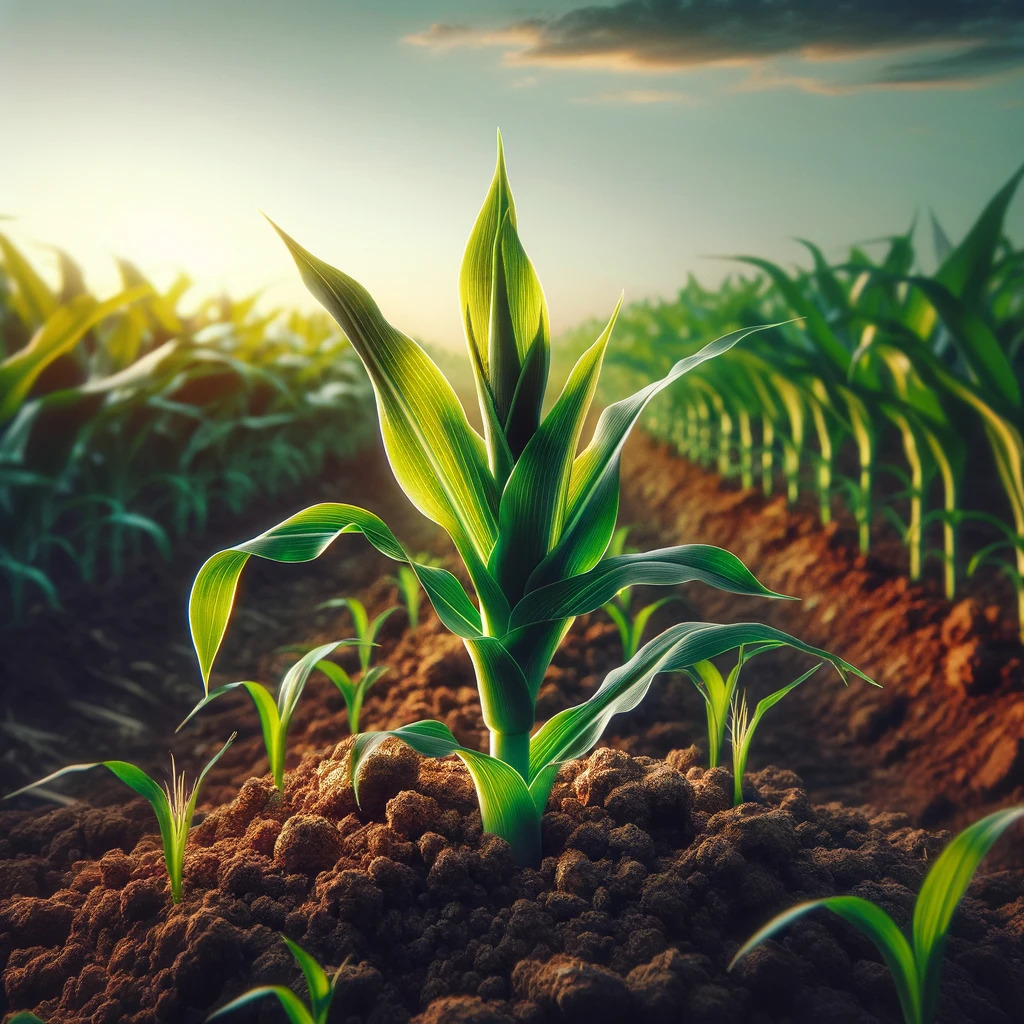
point(514, 749)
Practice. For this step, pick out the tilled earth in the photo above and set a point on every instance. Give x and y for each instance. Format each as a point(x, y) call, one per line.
point(650, 879)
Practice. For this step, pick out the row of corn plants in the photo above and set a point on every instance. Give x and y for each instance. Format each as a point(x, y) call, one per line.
point(891, 393)
point(124, 421)
point(533, 522)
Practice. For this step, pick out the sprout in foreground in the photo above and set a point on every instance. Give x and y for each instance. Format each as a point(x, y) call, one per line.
point(916, 965)
point(173, 803)
point(530, 518)
point(319, 987)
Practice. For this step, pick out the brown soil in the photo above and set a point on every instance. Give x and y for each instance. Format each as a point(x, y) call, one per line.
point(649, 881)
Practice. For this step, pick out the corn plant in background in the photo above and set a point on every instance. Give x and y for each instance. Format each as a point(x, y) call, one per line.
point(409, 586)
point(173, 803)
point(319, 988)
point(123, 421)
point(276, 715)
point(915, 965)
point(530, 519)
point(629, 621)
point(888, 375)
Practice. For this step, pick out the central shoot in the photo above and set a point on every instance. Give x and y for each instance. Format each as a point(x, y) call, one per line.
point(530, 518)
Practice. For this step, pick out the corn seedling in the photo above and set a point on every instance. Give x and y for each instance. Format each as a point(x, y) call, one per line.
point(173, 804)
point(530, 519)
point(915, 965)
point(409, 587)
point(365, 630)
point(319, 988)
point(276, 715)
point(742, 727)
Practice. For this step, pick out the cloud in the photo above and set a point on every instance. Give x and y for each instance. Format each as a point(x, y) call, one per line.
point(919, 43)
point(640, 97)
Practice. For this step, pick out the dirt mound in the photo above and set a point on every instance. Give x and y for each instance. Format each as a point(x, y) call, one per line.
point(649, 882)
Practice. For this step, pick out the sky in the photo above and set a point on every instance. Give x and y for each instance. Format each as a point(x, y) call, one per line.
point(642, 138)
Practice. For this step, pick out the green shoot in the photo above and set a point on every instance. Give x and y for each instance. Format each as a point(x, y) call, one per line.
point(742, 727)
point(366, 631)
point(530, 515)
point(173, 804)
point(409, 587)
point(320, 990)
point(276, 716)
point(631, 625)
point(915, 965)
point(353, 692)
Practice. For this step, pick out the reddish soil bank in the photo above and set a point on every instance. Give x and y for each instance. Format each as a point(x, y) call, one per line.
point(649, 882)
point(942, 740)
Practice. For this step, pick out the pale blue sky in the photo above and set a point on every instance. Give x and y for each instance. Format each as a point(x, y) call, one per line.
point(635, 146)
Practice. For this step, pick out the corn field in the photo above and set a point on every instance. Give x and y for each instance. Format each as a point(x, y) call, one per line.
point(891, 393)
point(125, 422)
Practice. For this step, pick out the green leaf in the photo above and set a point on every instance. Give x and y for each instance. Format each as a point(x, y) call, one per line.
point(572, 732)
point(944, 886)
point(506, 806)
point(616, 420)
point(33, 300)
point(664, 567)
point(968, 268)
point(438, 459)
point(300, 538)
point(534, 500)
point(317, 982)
point(871, 921)
point(61, 331)
point(290, 1002)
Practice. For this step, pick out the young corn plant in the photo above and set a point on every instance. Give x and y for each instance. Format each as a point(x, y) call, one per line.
point(173, 804)
point(915, 964)
point(742, 727)
point(629, 622)
point(409, 587)
point(276, 715)
point(319, 988)
point(530, 519)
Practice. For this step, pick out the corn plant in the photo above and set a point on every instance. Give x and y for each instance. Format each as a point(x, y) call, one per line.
point(630, 622)
point(276, 715)
point(409, 587)
point(319, 988)
point(915, 964)
point(173, 806)
point(530, 519)
point(742, 726)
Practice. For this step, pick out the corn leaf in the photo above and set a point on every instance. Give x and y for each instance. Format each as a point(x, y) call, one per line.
point(616, 420)
point(438, 459)
point(290, 1003)
point(301, 538)
point(665, 566)
point(943, 888)
point(534, 499)
point(871, 921)
point(572, 732)
point(33, 299)
point(506, 805)
point(317, 982)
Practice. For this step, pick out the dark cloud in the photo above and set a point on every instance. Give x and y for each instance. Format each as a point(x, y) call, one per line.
point(940, 43)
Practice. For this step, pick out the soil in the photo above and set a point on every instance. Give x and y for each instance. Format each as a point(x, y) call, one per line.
point(650, 879)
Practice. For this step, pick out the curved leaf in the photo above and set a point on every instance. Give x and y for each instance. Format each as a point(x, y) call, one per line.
point(871, 921)
point(665, 566)
point(438, 459)
point(300, 538)
point(944, 886)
